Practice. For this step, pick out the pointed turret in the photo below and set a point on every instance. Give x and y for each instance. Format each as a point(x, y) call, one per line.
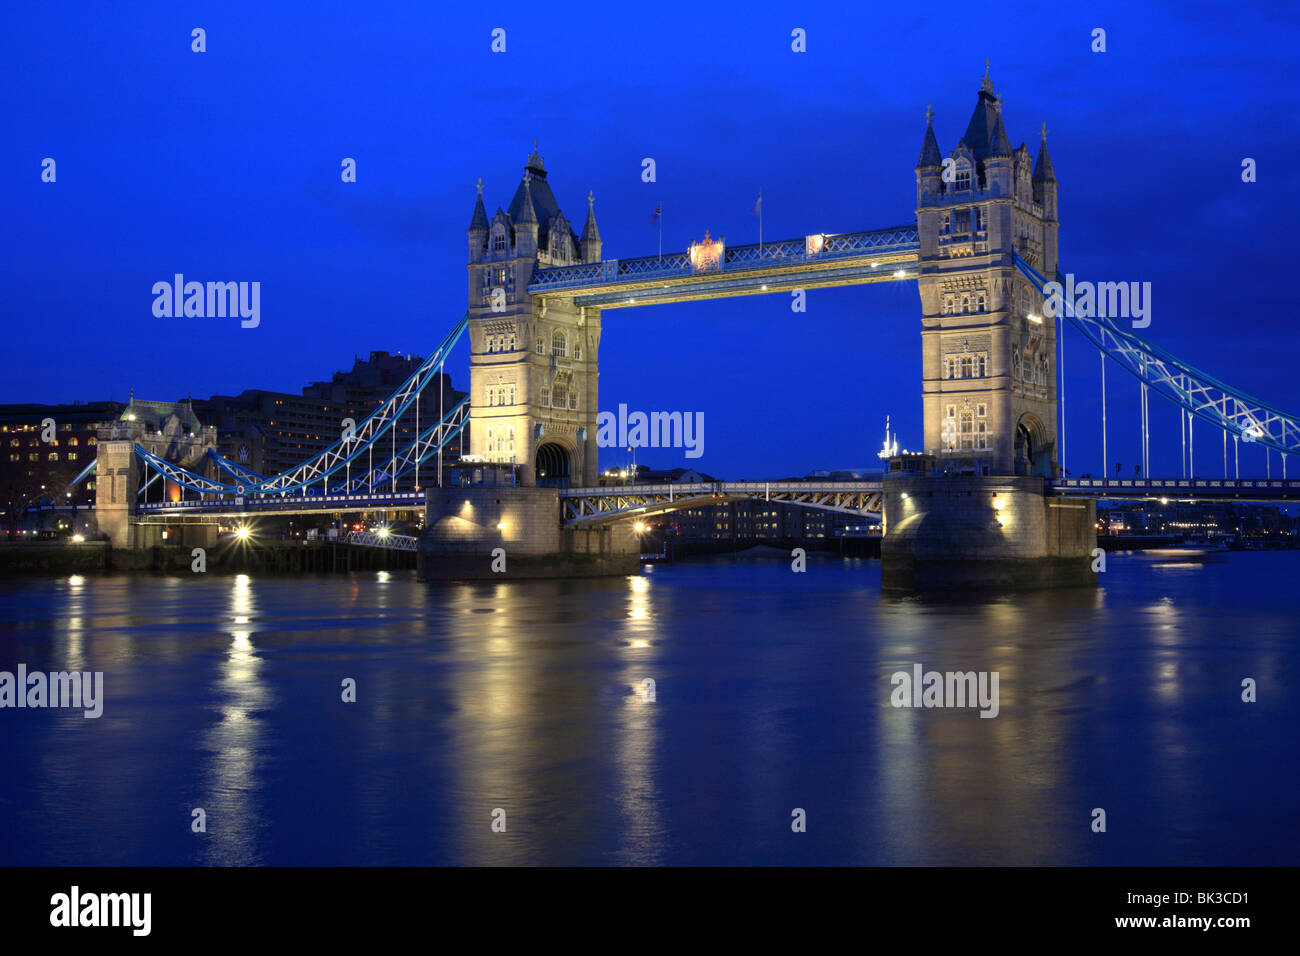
point(590, 241)
point(478, 222)
point(1043, 172)
point(527, 227)
point(478, 228)
point(985, 134)
point(930, 155)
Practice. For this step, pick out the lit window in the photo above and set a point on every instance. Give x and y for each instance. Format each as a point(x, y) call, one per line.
point(499, 242)
point(559, 343)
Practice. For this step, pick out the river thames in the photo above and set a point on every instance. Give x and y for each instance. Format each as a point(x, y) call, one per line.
point(771, 692)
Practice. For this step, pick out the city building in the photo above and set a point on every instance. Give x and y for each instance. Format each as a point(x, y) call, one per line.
point(42, 449)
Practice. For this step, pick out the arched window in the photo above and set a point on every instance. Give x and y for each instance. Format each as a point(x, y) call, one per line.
point(499, 241)
point(541, 345)
point(546, 396)
point(577, 351)
point(980, 303)
point(559, 343)
point(947, 368)
point(967, 429)
point(967, 367)
point(962, 180)
point(72, 440)
point(965, 305)
point(981, 368)
point(1017, 369)
point(92, 441)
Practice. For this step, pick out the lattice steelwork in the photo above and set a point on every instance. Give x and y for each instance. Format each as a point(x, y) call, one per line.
point(1203, 395)
point(338, 456)
point(425, 446)
point(784, 254)
point(582, 506)
point(372, 539)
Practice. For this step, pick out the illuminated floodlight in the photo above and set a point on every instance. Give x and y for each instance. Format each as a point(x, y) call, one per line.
point(242, 532)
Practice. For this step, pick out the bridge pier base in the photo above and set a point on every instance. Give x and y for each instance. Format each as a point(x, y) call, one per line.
point(465, 527)
point(976, 533)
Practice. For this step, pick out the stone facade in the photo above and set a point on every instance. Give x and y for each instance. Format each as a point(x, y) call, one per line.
point(533, 364)
point(988, 353)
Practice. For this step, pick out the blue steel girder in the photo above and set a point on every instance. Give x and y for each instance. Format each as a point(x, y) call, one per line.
point(424, 447)
point(808, 262)
point(339, 455)
point(1209, 399)
point(586, 506)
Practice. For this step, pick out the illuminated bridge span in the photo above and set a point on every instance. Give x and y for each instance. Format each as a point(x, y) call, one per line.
point(982, 250)
point(713, 271)
point(588, 506)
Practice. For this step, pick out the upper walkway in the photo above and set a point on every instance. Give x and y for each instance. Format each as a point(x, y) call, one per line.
point(712, 271)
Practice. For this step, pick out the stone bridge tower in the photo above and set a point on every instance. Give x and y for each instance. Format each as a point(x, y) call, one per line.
point(533, 363)
point(989, 377)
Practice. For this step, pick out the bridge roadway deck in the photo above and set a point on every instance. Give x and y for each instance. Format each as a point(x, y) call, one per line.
point(582, 506)
point(1181, 489)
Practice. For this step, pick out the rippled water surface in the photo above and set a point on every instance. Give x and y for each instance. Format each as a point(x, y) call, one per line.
point(771, 692)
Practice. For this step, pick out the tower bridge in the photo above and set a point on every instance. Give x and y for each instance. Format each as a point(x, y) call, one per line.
point(983, 250)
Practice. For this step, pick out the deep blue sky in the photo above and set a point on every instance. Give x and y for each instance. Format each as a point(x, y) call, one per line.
point(225, 166)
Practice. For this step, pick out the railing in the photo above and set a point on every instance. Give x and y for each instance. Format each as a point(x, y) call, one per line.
point(754, 255)
point(375, 539)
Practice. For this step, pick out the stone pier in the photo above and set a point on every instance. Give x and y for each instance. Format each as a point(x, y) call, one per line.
point(978, 533)
point(465, 525)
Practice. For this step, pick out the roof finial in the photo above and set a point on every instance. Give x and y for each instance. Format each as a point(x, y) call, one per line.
point(987, 85)
point(929, 111)
point(591, 198)
point(480, 185)
point(1044, 131)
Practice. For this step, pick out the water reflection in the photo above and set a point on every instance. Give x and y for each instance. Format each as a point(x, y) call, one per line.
point(770, 691)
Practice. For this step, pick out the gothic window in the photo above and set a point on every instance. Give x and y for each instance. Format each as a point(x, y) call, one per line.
point(72, 456)
point(573, 399)
point(559, 343)
point(546, 396)
point(961, 221)
point(965, 305)
point(577, 351)
point(967, 430)
point(513, 342)
point(945, 224)
point(1016, 368)
point(981, 369)
point(559, 394)
point(947, 368)
point(981, 435)
point(963, 176)
point(967, 368)
point(981, 303)
point(501, 276)
point(92, 441)
point(54, 456)
point(979, 219)
point(489, 439)
point(72, 441)
point(499, 242)
point(981, 410)
point(13, 443)
point(541, 345)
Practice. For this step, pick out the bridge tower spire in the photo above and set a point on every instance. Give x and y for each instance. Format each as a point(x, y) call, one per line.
point(989, 377)
point(533, 363)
